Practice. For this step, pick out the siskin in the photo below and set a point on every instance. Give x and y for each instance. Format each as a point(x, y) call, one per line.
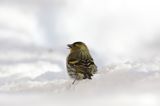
point(80, 64)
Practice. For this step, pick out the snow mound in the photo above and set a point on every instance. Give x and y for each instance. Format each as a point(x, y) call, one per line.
point(31, 75)
point(116, 85)
point(124, 77)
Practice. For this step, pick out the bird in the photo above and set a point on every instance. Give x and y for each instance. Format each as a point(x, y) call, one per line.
point(80, 65)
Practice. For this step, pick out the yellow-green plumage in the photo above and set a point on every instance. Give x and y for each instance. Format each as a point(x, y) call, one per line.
point(80, 64)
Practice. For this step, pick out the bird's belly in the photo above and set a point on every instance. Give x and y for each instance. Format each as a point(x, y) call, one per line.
point(72, 72)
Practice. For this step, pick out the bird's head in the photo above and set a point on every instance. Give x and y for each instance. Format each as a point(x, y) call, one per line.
point(77, 46)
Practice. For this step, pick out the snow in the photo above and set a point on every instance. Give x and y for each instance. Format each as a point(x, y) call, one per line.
point(39, 78)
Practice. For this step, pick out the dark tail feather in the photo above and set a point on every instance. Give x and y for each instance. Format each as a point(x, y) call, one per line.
point(87, 75)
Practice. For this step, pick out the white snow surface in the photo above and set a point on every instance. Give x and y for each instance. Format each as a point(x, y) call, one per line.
point(37, 77)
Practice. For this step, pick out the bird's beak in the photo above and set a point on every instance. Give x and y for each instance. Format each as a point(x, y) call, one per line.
point(69, 45)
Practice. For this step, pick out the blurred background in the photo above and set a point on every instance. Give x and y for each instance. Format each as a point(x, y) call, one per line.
point(108, 27)
point(121, 35)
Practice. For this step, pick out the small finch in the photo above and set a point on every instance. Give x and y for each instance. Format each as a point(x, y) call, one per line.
point(80, 64)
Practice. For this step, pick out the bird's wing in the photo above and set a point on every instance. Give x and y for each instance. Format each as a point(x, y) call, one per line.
point(84, 66)
point(73, 61)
